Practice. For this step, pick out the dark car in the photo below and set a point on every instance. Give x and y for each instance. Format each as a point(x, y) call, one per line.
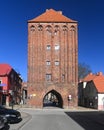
point(13, 116)
point(3, 122)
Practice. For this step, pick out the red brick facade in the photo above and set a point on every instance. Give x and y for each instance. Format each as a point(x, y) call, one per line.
point(10, 85)
point(52, 58)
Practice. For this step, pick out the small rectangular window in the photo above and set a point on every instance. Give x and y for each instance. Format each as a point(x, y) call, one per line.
point(48, 77)
point(48, 63)
point(57, 47)
point(63, 77)
point(48, 47)
point(56, 62)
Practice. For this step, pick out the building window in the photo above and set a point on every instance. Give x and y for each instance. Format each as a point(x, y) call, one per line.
point(56, 62)
point(0, 82)
point(48, 77)
point(63, 77)
point(48, 47)
point(57, 47)
point(48, 63)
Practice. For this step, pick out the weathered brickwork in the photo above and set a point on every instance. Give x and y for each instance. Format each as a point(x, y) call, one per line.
point(52, 60)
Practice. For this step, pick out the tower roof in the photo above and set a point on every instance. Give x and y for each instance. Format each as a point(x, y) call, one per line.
point(52, 16)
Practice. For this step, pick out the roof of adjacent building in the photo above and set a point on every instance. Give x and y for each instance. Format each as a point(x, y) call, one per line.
point(98, 80)
point(89, 77)
point(99, 84)
point(52, 16)
point(5, 69)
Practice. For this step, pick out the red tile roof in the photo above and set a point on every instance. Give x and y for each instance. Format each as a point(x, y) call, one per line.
point(52, 16)
point(89, 77)
point(99, 83)
point(5, 69)
point(98, 80)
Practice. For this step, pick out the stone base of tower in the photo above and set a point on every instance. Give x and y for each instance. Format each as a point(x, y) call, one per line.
point(61, 91)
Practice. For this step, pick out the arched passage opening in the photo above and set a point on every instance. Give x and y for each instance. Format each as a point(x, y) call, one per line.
point(53, 98)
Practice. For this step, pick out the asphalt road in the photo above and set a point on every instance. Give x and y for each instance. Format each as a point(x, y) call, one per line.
point(59, 119)
point(50, 120)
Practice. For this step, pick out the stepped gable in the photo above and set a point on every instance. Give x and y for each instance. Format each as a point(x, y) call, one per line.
point(52, 16)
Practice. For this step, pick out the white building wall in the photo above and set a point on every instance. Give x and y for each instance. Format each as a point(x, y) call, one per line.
point(84, 84)
point(100, 101)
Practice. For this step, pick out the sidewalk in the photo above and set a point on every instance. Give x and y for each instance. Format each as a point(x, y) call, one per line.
point(77, 108)
point(71, 108)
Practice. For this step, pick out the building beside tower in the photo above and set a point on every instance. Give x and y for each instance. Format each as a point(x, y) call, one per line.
point(52, 60)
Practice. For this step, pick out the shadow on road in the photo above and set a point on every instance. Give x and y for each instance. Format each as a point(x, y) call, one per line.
point(88, 120)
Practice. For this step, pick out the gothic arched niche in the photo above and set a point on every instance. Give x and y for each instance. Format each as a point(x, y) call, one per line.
point(56, 29)
point(32, 28)
point(64, 28)
point(72, 28)
point(49, 28)
point(40, 28)
point(52, 98)
point(72, 31)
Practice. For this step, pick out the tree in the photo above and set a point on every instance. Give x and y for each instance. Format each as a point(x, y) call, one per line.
point(83, 70)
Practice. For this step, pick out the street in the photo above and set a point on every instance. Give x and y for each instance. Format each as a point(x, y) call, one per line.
point(60, 119)
point(50, 120)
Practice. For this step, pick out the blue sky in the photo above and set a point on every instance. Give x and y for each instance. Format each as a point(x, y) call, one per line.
point(14, 15)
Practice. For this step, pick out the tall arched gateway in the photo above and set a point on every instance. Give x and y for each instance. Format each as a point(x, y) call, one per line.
point(52, 59)
point(53, 98)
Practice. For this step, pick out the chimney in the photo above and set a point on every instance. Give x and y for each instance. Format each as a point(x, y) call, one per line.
point(60, 12)
point(47, 10)
point(100, 73)
point(90, 73)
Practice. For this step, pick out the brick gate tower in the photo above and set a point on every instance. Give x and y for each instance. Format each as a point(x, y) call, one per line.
point(52, 60)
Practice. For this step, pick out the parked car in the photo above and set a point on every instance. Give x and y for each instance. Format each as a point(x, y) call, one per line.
point(3, 122)
point(13, 116)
